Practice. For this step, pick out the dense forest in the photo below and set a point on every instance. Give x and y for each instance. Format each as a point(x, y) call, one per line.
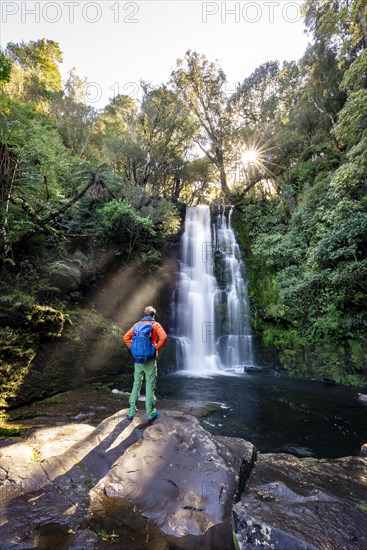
point(84, 191)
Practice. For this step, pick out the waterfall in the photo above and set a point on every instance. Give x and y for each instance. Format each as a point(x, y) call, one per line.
point(196, 295)
point(235, 339)
point(211, 309)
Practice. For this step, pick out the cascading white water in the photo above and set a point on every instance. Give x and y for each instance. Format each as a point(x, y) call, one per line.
point(196, 295)
point(235, 341)
point(212, 326)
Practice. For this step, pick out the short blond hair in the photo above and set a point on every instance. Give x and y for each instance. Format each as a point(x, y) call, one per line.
point(149, 310)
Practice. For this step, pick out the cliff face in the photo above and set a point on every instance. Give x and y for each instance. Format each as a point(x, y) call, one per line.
point(171, 484)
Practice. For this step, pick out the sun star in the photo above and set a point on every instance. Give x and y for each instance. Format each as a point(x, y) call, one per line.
point(250, 157)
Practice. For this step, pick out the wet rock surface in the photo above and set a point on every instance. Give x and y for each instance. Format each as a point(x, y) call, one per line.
point(90, 405)
point(310, 504)
point(167, 485)
point(173, 473)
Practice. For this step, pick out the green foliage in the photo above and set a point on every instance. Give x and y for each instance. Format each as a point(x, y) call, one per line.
point(165, 218)
point(105, 536)
point(35, 142)
point(352, 125)
point(40, 75)
point(235, 541)
point(152, 257)
point(5, 68)
point(346, 242)
point(132, 230)
point(12, 431)
point(148, 147)
point(21, 311)
point(306, 244)
point(41, 167)
point(74, 119)
point(354, 78)
point(338, 22)
point(307, 281)
point(121, 226)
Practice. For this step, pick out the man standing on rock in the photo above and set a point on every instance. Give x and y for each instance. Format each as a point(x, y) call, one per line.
point(144, 339)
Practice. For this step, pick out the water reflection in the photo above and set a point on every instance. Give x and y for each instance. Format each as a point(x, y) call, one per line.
point(278, 414)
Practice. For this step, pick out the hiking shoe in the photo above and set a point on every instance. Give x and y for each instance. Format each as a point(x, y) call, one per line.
point(154, 417)
point(130, 417)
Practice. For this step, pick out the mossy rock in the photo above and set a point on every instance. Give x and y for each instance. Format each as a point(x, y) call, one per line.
point(17, 346)
point(46, 321)
point(17, 351)
point(316, 359)
point(99, 341)
point(29, 327)
point(89, 349)
point(12, 377)
point(66, 276)
point(12, 431)
point(20, 311)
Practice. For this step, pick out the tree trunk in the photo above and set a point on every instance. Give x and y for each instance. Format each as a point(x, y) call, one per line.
point(176, 189)
point(8, 252)
point(223, 181)
point(223, 176)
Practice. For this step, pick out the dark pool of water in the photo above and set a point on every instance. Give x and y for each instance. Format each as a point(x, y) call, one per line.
point(278, 414)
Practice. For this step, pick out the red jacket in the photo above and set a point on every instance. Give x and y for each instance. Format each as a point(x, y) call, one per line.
point(159, 335)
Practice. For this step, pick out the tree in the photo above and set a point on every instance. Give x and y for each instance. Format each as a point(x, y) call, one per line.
point(341, 23)
point(322, 75)
point(121, 226)
point(197, 182)
point(74, 119)
point(307, 243)
point(352, 123)
point(38, 69)
point(113, 122)
point(257, 98)
point(5, 68)
point(200, 83)
point(166, 131)
point(148, 147)
point(263, 103)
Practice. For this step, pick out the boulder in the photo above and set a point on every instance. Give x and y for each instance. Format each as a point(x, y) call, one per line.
point(66, 275)
point(309, 504)
point(176, 473)
point(173, 472)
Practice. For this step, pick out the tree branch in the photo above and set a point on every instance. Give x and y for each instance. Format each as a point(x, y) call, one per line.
point(312, 100)
point(43, 223)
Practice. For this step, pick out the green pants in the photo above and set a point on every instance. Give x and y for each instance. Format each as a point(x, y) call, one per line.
point(149, 370)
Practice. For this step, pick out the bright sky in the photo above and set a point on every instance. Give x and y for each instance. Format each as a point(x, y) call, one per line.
point(115, 43)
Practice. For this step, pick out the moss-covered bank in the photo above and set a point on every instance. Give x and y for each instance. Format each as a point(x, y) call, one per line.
point(71, 335)
point(45, 350)
point(306, 347)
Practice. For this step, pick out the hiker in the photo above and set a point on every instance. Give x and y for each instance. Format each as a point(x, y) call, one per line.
point(144, 339)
